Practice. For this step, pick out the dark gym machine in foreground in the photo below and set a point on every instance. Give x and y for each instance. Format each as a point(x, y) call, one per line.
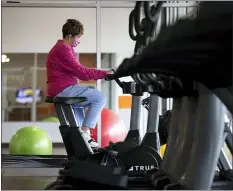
point(217, 80)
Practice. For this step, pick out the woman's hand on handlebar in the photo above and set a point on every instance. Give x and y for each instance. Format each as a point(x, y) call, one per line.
point(110, 72)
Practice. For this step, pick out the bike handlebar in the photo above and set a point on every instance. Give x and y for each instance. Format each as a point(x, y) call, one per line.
point(111, 77)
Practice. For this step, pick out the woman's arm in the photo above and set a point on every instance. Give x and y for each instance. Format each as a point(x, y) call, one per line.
point(72, 65)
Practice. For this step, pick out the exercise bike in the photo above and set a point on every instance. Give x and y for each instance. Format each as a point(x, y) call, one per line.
point(142, 157)
point(75, 145)
point(135, 160)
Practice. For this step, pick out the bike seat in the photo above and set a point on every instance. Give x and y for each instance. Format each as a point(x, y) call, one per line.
point(69, 100)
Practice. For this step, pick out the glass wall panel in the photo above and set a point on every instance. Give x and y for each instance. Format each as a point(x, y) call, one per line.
point(16, 86)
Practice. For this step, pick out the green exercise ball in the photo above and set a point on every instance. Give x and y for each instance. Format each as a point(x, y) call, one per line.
point(30, 141)
point(51, 119)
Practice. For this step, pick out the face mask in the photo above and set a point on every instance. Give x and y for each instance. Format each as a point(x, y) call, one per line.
point(76, 42)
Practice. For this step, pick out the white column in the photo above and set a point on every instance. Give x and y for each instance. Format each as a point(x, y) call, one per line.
point(116, 90)
point(4, 98)
point(34, 84)
point(98, 57)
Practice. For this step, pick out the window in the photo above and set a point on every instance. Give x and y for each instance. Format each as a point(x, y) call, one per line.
point(16, 87)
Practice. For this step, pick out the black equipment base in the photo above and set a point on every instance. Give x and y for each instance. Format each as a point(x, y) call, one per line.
point(139, 159)
point(77, 176)
point(82, 175)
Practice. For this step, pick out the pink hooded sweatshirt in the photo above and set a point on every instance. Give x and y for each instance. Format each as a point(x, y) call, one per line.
point(64, 69)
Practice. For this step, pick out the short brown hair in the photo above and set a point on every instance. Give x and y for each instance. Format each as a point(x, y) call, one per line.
point(72, 27)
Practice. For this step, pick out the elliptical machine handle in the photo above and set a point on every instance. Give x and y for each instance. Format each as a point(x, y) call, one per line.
point(111, 77)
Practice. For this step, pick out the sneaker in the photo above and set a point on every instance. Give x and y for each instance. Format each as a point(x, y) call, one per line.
point(92, 142)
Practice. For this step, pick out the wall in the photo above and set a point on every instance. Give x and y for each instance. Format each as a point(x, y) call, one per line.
point(114, 30)
point(35, 30)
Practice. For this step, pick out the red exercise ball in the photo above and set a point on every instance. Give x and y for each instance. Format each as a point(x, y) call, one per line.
point(113, 129)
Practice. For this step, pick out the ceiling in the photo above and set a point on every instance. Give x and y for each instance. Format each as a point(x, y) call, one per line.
point(64, 3)
point(87, 3)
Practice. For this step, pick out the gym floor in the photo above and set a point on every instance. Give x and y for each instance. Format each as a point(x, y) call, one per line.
point(29, 178)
